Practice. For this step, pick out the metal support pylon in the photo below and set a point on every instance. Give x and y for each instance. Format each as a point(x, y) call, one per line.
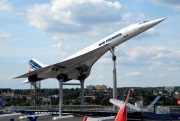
point(35, 94)
point(82, 93)
point(114, 77)
point(61, 79)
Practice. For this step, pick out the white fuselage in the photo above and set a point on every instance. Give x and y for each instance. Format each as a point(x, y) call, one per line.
point(118, 37)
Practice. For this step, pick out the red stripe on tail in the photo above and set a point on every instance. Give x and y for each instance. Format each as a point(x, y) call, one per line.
point(122, 114)
point(85, 118)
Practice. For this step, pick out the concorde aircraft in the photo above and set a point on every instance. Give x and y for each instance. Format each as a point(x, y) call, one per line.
point(78, 66)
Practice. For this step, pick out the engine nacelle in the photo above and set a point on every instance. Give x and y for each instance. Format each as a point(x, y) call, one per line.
point(34, 78)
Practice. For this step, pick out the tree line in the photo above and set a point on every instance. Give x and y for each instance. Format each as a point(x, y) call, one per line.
point(72, 96)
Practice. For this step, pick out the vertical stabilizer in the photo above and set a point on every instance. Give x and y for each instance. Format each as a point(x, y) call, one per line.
point(122, 114)
point(154, 102)
point(34, 65)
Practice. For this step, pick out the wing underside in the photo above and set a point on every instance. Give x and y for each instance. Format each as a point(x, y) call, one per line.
point(69, 67)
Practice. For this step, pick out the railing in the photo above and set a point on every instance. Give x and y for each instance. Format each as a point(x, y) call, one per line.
point(162, 110)
point(83, 107)
point(65, 107)
point(175, 110)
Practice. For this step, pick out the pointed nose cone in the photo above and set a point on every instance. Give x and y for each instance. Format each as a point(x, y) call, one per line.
point(153, 23)
point(157, 21)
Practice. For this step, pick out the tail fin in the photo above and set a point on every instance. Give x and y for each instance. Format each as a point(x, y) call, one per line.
point(85, 118)
point(122, 114)
point(154, 101)
point(34, 65)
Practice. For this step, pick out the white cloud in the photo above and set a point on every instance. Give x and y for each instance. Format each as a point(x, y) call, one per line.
point(62, 49)
point(73, 17)
point(55, 46)
point(173, 4)
point(161, 76)
point(142, 17)
point(127, 16)
point(158, 63)
point(172, 68)
point(58, 46)
point(150, 68)
point(7, 11)
point(4, 35)
point(159, 56)
point(150, 33)
point(105, 60)
point(99, 79)
point(4, 6)
point(134, 73)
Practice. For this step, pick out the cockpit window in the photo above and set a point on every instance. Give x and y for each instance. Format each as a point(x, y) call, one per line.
point(143, 22)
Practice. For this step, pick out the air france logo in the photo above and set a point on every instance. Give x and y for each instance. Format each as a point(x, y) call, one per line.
point(110, 39)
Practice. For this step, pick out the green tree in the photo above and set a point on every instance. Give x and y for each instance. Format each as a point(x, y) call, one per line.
point(105, 101)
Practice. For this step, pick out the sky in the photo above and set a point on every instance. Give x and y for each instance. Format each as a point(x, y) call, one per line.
point(51, 30)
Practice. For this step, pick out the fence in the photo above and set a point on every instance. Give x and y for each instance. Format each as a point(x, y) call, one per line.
point(65, 107)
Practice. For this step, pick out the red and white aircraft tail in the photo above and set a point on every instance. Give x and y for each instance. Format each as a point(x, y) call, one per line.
point(121, 115)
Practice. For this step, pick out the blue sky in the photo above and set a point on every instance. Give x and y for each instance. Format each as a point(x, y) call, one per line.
point(51, 30)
